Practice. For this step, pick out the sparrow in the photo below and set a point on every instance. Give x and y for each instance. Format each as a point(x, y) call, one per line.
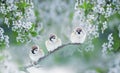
point(53, 42)
point(35, 53)
point(78, 35)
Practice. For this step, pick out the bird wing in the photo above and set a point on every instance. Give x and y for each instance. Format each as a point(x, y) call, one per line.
point(59, 42)
point(49, 45)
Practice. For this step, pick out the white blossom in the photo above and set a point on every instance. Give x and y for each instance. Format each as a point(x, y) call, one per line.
point(6, 40)
point(1, 37)
point(1, 31)
point(110, 38)
point(12, 7)
point(95, 31)
point(104, 48)
point(99, 9)
point(6, 21)
point(91, 16)
point(110, 43)
point(108, 46)
point(27, 25)
point(9, 1)
point(20, 39)
point(109, 11)
point(29, 14)
point(101, 2)
point(3, 9)
point(18, 14)
point(105, 26)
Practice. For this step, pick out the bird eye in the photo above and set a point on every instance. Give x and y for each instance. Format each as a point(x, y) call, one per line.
point(33, 51)
point(78, 32)
point(52, 37)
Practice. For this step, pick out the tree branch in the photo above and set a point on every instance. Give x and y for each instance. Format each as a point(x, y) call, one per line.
point(49, 53)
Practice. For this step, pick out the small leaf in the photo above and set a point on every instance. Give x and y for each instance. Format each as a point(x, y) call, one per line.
point(71, 15)
point(1, 58)
point(33, 33)
point(85, 5)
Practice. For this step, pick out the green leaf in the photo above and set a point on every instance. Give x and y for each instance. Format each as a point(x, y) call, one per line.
point(80, 6)
point(116, 40)
point(22, 5)
point(71, 15)
point(33, 33)
point(1, 15)
point(1, 58)
point(101, 70)
point(85, 5)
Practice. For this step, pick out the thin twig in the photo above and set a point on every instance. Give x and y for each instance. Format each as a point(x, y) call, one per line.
point(49, 53)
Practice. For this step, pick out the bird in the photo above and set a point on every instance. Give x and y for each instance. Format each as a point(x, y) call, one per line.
point(35, 53)
point(53, 42)
point(78, 35)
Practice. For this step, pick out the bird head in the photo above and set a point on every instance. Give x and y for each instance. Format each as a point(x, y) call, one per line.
point(52, 37)
point(35, 49)
point(78, 31)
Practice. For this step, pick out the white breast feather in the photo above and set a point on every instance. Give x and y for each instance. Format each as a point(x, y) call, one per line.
point(77, 39)
point(35, 57)
point(58, 43)
point(49, 45)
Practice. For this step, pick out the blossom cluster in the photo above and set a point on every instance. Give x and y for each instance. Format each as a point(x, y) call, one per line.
point(108, 46)
point(105, 26)
point(19, 17)
point(3, 38)
point(95, 16)
point(86, 20)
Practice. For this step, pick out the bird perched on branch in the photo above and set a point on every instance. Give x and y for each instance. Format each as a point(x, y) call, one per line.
point(78, 35)
point(53, 42)
point(35, 53)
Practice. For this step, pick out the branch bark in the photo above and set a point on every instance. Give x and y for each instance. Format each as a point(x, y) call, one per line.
point(49, 53)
